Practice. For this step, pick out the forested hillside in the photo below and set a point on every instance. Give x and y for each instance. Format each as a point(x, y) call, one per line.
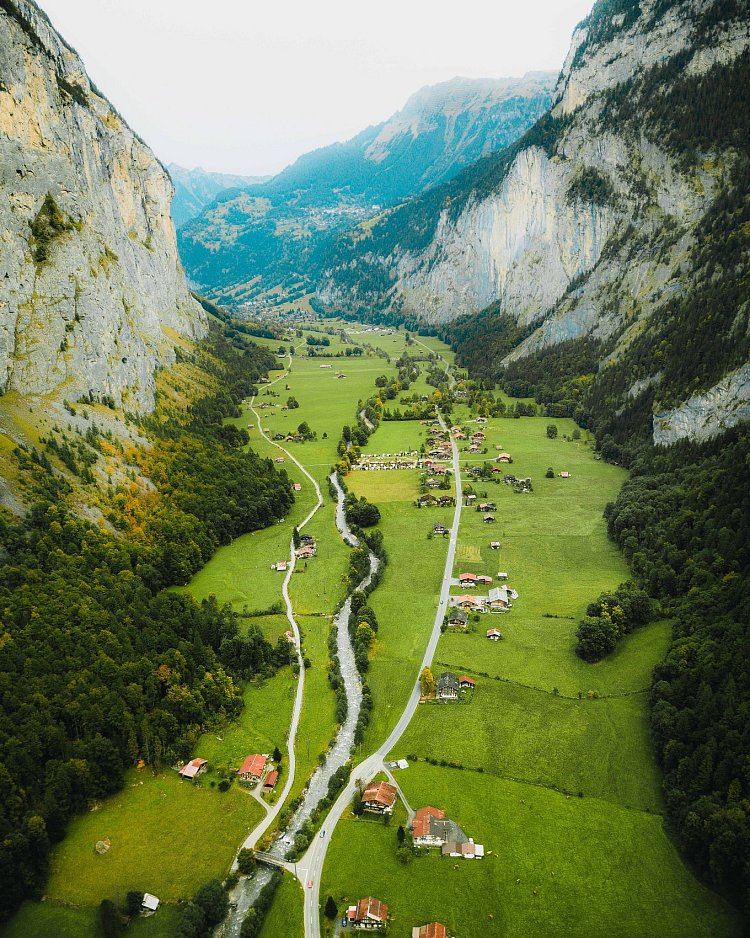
point(99, 666)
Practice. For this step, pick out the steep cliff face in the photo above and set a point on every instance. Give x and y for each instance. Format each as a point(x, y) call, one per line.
point(92, 292)
point(249, 241)
point(590, 224)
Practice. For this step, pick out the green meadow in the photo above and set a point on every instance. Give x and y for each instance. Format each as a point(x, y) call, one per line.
point(556, 865)
point(285, 919)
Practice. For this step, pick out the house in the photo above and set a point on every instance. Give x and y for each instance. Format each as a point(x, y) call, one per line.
point(502, 575)
point(472, 603)
point(488, 519)
point(509, 479)
point(478, 436)
point(487, 506)
point(466, 683)
point(307, 539)
point(426, 501)
point(289, 636)
point(494, 545)
point(297, 487)
point(149, 903)
point(194, 768)
point(504, 457)
point(505, 593)
point(447, 686)
point(431, 828)
point(379, 797)
point(481, 420)
point(446, 501)
point(439, 529)
point(458, 619)
point(271, 780)
point(467, 579)
point(494, 635)
point(433, 930)
point(468, 850)
point(470, 498)
point(474, 448)
point(484, 580)
point(433, 483)
point(325, 366)
point(252, 768)
point(368, 913)
point(564, 475)
point(455, 429)
point(304, 553)
point(280, 565)
point(279, 459)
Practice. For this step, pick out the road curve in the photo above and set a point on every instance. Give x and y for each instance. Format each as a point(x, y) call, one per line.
point(310, 867)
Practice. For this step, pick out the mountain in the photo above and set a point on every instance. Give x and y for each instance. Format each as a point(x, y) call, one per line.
point(274, 235)
point(615, 228)
point(194, 189)
point(94, 297)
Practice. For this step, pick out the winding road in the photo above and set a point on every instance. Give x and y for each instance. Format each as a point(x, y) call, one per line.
point(310, 867)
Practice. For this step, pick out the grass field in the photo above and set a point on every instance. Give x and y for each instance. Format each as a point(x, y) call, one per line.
point(167, 837)
point(284, 918)
point(557, 865)
point(50, 920)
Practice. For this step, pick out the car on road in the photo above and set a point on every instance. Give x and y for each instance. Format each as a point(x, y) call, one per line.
point(322, 834)
point(309, 884)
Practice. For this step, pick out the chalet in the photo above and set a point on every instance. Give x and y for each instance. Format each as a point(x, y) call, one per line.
point(306, 539)
point(470, 603)
point(467, 579)
point(471, 498)
point(478, 437)
point(459, 435)
point(509, 479)
point(504, 457)
point(458, 619)
point(252, 768)
point(433, 930)
point(149, 903)
point(495, 545)
point(502, 575)
point(433, 483)
point(474, 448)
point(379, 797)
point(494, 635)
point(426, 501)
point(439, 470)
point(488, 519)
point(439, 529)
point(280, 565)
point(468, 850)
point(296, 487)
point(484, 580)
point(496, 469)
point(279, 459)
point(271, 780)
point(447, 686)
point(369, 913)
point(194, 768)
point(481, 420)
point(289, 636)
point(304, 553)
point(446, 501)
point(456, 429)
point(564, 475)
point(431, 828)
point(486, 506)
point(466, 683)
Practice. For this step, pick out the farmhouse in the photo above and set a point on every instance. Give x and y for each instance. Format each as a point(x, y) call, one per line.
point(433, 930)
point(447, 686)
point(252, 768)
point(433, 483)
point(271, 780)
point(379, 797)
point(467, 579)
point(486, 506)
point(305, 552)
point(564, 475)
point(194, 768)
point(368, 913)
point(426, 501)
point(494, 545)
point(494, 635)
point(297, 487)
point(488, 519)
point(478, 436)
point(481, 420)
point(484, 580)
point(279, 459)
point(504, 457)
point(473, 603)
point(458, 619)
point(474, 448)
point(468, 850)
point(439, 529)
point(280, 565)
point(307, 539)
point(502, 575)
point(446, 501)
point(431, 828)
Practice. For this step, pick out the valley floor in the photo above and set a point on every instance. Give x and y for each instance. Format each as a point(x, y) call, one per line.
point(549, 765)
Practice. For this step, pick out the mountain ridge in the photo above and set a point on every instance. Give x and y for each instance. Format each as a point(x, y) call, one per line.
point(196, 188)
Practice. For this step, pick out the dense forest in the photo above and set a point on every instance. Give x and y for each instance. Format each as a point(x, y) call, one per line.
point(99, 666)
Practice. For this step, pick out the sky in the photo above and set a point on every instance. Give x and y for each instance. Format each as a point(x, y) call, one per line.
point(246, 87)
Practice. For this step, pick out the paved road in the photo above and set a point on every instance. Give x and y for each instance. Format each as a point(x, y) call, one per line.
point(310, 867)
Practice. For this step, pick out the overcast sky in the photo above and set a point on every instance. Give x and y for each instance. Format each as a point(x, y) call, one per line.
point(245, 87)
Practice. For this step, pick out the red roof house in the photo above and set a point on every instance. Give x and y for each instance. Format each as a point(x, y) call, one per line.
point(371, 913)
point(433, 930)
point(271, 779)
point(379, 797)
point(191, 769)
point(494, 634)
point(464, 578)
point(465, 681)
point(252, 768)
point(421, 824)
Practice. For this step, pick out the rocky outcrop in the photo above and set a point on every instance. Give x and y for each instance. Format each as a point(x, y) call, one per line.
point(92, 293)
point(707, 415)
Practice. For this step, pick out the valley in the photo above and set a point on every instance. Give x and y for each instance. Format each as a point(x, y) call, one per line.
point(548, 765)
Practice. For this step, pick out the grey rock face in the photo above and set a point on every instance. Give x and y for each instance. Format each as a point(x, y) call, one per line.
point(109, 303)
point(706, 415)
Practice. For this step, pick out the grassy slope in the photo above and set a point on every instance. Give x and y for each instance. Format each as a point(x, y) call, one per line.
point(285, 917)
